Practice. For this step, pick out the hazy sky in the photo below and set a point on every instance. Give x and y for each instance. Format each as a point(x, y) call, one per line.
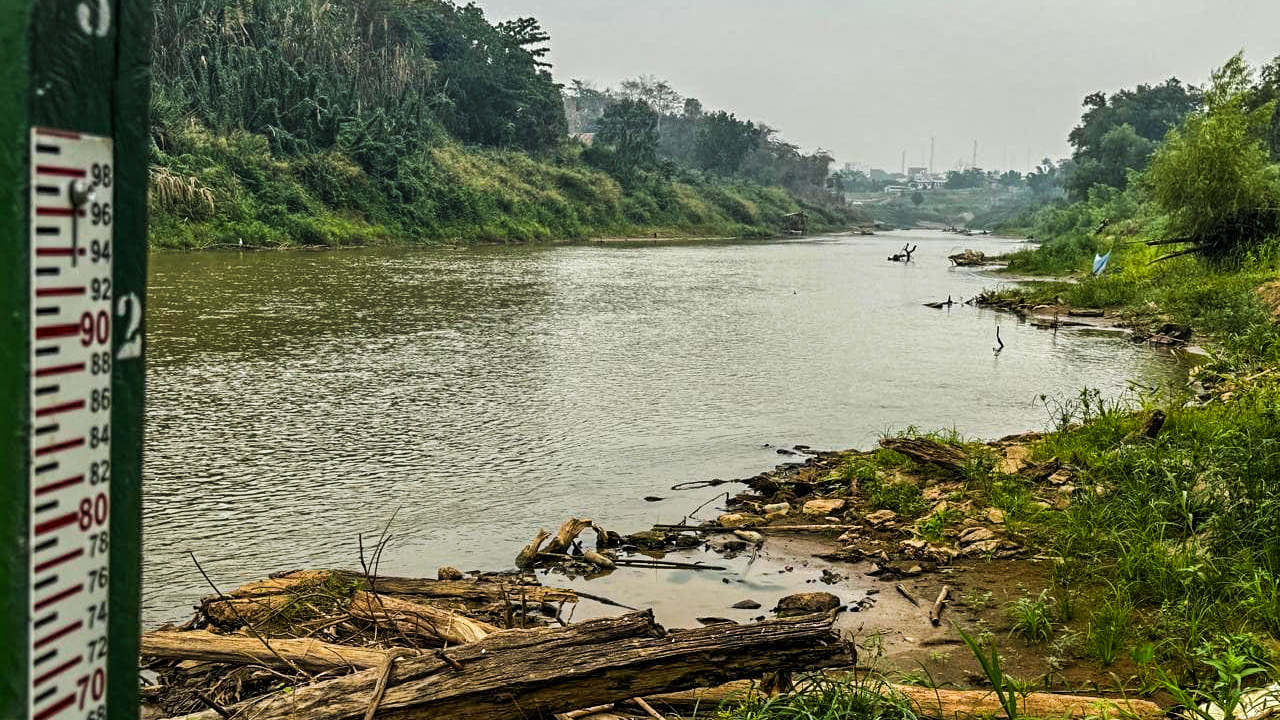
point(869, 79)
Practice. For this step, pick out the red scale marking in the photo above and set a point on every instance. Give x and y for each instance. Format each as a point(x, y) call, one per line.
point(56, 331)
point(59, 369)
point(64, 631)
point(57, 671)
point(58, 292)
point(55, 252)
point(58, 447)
point(56, 708)
point(54, 524)
point(60, 171)
point(64, 407)
point(50, 132)
point(73, 590)
point(43, 489)
point(47, 564)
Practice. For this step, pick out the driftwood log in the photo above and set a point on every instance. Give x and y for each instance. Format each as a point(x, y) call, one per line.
point(927, 452)
point(935, 612)
point(529, 555)
point(524, 673)
point(569, 532)
point(262, 600)
point(478, 590)
point(420, 621)
point(309, 654)
point(235, 611)
point(936, 703)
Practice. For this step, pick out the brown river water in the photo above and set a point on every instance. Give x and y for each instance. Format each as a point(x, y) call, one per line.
point(297, 400)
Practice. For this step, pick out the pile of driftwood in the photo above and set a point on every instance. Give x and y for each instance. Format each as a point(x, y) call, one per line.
point(339, 645)
point(968, 258)
point(330, 645)
point(566, 553)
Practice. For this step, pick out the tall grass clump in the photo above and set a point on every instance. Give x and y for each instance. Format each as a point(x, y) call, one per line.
point(825, 699)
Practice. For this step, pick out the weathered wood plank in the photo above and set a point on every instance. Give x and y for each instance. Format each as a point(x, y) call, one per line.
point(430, 623)
point(938, 703)
point(927, 451)
point(524, 673)
point(309, 654)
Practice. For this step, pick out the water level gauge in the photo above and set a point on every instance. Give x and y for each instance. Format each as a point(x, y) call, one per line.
point(70, 400)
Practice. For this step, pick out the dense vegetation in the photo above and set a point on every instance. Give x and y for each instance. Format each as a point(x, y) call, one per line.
point(280, 122)
point(1174, 556)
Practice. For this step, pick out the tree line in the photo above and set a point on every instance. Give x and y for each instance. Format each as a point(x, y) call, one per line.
point(1194, 168)
point(646, 127)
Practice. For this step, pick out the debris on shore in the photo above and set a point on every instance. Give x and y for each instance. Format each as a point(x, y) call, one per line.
point(338, 645)
point(970, 258)
point(332, 645)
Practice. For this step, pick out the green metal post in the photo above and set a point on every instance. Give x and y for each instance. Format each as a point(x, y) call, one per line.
point(74, 94)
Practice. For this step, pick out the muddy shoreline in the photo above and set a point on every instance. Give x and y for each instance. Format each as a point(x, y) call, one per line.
point(811, 535)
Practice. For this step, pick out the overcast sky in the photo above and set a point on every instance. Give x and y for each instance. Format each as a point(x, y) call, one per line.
point(868, 79)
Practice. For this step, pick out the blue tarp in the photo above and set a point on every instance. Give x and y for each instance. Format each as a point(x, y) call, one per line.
point(1100, 263)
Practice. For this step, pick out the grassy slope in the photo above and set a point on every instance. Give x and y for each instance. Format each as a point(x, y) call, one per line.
point(1175, 544)
point(213, 190)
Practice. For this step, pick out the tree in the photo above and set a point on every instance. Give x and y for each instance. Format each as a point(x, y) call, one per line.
point(967, 178)
point(1011, 178)
point(1120, 151)
point(631, 127)
point(1048, 179)
point(1212, 175)
point(724, 141)
point(584, 105)
point(1268, 90)
point(657, 94)
point(1149, 110)
point(917, 198)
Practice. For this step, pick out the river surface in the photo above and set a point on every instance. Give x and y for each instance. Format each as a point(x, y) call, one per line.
point(297, 400)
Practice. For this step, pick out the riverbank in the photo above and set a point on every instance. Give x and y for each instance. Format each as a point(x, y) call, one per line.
point(1061, 551)
point(910, 544)
point(211, 190)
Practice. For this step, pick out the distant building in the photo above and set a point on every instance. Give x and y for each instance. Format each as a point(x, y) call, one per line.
point(926, 183)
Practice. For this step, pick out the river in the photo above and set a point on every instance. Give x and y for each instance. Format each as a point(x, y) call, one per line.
point(299, 399)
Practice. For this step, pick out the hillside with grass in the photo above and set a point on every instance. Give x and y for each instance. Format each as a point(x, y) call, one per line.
point(289, 123)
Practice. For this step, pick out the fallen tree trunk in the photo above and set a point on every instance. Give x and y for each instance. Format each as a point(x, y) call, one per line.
point(253, 610)
point(983, 703)
point(928, 452)
point(421, 621)
point(478, 590)
point(261, 600)
point(936, 703)
point(568, 532)
point(312, 655)
point(524, 673)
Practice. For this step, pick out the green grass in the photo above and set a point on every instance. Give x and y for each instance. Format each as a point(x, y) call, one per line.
point(1173, 544)
point(1032, 618)
point(1182, 534)
point(211, 189)
point(824, 699)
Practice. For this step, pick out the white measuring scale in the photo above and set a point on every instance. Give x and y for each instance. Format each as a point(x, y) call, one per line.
point(70, 400)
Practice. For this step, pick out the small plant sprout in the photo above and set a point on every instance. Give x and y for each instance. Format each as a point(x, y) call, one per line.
point(1031, 617)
